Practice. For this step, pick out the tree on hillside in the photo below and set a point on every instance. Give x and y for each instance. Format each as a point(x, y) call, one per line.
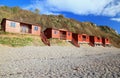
point(15, 9)
point(37, 11)
point(61, 16)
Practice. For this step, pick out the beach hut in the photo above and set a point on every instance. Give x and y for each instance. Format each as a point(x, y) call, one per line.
point(83, 38)
point(65, 35)
point(105, 42)
point(14, 26)
point(61, 34)
point(51, 33)
point(95, 41)
point(75, 39)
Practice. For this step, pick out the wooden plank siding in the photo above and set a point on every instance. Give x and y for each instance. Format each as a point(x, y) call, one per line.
point(106, 42)
point(95, 40)
point(59, 34)
point(83, 38)
point(13, 26)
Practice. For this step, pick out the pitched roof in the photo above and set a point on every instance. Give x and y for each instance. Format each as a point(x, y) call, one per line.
point(59, 29)
point(4, 19)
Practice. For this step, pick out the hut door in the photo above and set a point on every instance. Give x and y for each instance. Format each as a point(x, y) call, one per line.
point(63, 35)
point(84, 38)
point(24, 29)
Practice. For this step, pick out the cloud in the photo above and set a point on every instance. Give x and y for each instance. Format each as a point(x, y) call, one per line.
point(80, 7)
point(43, 6)
point(116, 19)
point(112, 9)
point(1, 5)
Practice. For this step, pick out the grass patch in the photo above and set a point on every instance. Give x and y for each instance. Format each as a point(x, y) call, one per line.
point(18, 40)
point(59, 42)
point(14, 41)
point(2, 32)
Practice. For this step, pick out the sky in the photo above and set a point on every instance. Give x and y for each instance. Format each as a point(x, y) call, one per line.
point(100, 12)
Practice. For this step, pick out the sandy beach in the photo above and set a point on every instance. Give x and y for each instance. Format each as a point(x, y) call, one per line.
point(59, 62)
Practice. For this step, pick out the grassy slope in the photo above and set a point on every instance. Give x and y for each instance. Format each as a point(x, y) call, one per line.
point(18, 40)
point(59, 22)
point(112, 35)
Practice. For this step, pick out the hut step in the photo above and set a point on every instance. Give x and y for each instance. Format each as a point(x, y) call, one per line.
point(44, 39)
point(75, 43)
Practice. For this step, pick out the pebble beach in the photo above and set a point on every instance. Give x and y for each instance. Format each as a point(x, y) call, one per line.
point(59, 62)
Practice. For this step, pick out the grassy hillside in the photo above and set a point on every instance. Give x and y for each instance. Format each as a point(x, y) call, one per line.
point(60, 21)
point(112, 35)
point(17, 40)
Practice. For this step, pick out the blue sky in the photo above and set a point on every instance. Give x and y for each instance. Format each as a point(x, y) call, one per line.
point(100, 12)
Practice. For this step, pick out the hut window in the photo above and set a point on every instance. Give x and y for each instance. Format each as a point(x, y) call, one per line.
point(55, 32)
point(98, 38)
point(107, 39)
point(84, 38)
point(36, 28)
point(12, 24)
point(68, 33)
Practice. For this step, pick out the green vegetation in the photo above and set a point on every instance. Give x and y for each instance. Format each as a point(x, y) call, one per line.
point(37, 11)
point(15, 41)
point(59, 21)
point(59, 42)
point(112, 35)
point(18, 40)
